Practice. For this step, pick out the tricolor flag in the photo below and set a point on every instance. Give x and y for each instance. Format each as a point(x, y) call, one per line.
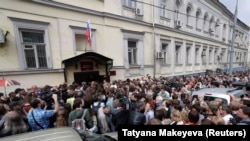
point(88, 33)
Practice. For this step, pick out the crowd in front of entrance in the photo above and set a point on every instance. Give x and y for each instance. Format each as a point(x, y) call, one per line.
point(104, 106)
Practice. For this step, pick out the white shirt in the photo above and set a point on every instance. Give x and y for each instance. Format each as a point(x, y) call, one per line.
point(226, 118)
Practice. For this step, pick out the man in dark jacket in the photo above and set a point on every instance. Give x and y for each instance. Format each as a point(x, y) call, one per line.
point(136, 117)
point(120, 116)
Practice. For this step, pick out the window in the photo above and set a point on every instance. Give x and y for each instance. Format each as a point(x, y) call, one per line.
point(240, 57)
point(32, 44)
point(216, 55)
point(210, 98)
point(129, 3)
point(164, 50)
point(224, 32)
point(205, 25)
point(178, 3)
point(188, 55)
point(177, 54)
point(245, 57)
point(230, 33)
point(235, 56)
point(203, 55)
point(81, 42)
point(189, 10)
point(211, 23)
point(163, 8)
point(223, 56)
point(198, 14)
point(216, 28)
point(34, 49)
point(132, 53)
point(197, 49)
point(210, 56)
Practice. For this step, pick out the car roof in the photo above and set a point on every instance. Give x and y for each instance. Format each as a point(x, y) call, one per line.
point(52, 134)
point(213, 90)
point(220, 92)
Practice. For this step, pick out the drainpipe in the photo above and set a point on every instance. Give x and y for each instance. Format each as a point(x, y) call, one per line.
point(65, 75)
point(153, 25)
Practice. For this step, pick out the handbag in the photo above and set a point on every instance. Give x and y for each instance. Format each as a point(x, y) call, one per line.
point(36, 121)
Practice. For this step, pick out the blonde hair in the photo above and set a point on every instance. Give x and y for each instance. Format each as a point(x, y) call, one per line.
point(217, 120)
point(184, 117)
point(176, 116)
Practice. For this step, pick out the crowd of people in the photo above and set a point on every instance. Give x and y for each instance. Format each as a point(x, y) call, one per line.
point(104, 106)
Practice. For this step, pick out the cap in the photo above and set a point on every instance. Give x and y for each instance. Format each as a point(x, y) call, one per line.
point(18, 90)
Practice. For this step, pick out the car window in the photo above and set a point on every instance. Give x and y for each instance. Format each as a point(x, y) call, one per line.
point(209, 98)
point(238, 95)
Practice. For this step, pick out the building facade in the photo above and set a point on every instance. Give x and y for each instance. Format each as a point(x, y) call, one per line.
point(44, 42)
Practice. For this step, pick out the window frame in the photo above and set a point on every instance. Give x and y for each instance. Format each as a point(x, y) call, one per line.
point(188, 55)
point(216, 56)
point(129, 4)
point(197, 52)
point(189, 10)
point(204, 57)
point(134, 54)
point(210, 53)
point(198, 18)
point(28, 25)
point(76, 30)
point(178, 54)
point(165, 51)
point(34, 48)
point(163, 6)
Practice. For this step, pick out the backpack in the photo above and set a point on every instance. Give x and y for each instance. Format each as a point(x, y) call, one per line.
point(95, 108)
point(79, 124)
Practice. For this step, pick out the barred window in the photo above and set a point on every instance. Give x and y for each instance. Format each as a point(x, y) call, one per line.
point(34, 49)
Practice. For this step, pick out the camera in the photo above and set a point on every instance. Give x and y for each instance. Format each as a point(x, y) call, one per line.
point(233, 121)
point(46, 95)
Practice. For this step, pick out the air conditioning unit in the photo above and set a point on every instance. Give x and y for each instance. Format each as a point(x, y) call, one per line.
point(159, 55)
point(178, 24)
point(2, 36)
point(138, 12)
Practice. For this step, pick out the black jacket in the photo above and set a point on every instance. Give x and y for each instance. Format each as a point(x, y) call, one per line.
point(120, 117)
point(136, 118)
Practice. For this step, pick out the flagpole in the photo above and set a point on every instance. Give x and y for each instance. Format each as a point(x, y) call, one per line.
point(233, 40)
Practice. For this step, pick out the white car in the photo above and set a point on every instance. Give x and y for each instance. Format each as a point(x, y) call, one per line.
point(224, 94)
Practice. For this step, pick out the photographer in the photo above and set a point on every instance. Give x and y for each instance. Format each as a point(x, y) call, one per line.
point(46, 96)
point(39, 118)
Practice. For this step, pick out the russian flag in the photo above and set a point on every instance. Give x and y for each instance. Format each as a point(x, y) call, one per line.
point(88, 33)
